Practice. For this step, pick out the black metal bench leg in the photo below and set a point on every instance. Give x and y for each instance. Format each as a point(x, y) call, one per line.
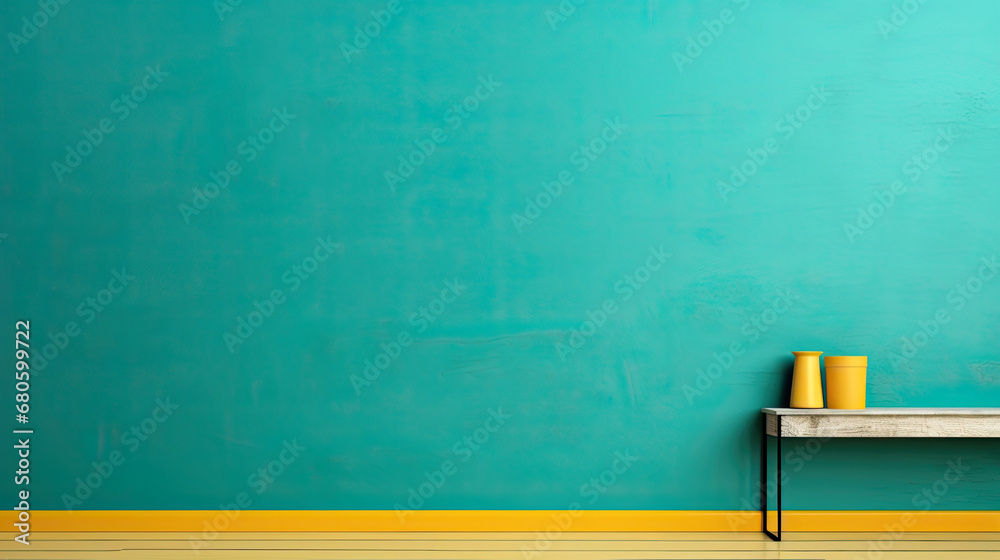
point(763, 480)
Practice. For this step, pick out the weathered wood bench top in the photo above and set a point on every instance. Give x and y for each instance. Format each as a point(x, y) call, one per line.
point(883, 422)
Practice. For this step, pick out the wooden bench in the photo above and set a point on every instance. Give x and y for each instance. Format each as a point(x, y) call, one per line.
point(869, 422)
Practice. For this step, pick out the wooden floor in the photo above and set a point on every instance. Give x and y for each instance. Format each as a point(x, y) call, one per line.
point(508, 546)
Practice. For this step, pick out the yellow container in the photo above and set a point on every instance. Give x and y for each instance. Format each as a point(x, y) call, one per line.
point(807, 390)
point(845, 381)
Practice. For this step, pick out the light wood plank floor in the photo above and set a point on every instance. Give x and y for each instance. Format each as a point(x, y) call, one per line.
point(506, 546)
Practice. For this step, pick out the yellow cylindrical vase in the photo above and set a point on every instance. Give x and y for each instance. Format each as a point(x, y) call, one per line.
point(807, 389)
point(845, 381)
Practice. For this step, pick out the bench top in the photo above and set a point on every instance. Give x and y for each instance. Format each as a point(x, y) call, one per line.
point(889, 411)
point(883, 422)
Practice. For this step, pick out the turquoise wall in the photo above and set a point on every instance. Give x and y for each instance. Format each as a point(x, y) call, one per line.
point(217, 215)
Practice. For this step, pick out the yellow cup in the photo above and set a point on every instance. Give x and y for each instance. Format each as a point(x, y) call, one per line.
point(845, 381)
point(807, 389)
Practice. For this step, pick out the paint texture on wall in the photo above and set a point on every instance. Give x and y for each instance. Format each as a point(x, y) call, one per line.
point(513, 255)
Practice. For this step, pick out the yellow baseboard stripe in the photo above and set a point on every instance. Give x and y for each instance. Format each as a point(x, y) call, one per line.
point(504, 520)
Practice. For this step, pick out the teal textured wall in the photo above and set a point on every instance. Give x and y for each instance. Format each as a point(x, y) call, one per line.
point(561, 234)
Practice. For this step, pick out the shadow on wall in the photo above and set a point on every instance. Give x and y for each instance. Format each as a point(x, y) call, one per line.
point(783, 394)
